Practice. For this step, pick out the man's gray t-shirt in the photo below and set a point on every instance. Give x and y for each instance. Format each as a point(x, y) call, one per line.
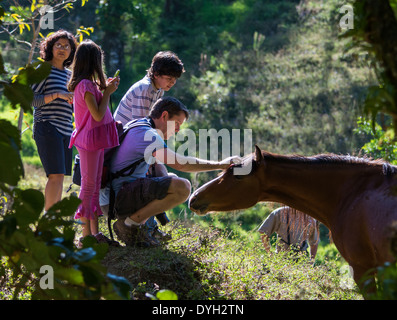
point(140, 142)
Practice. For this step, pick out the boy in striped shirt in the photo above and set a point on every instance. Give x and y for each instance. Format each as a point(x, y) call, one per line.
point(164, 71)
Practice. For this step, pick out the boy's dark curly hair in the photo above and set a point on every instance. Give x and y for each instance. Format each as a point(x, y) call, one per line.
point(165, 63)
point(47, 45)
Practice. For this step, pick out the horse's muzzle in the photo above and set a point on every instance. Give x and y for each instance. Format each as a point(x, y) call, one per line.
point(196, 207)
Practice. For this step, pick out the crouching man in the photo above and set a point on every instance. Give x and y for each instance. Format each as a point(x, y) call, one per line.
point(139, 197)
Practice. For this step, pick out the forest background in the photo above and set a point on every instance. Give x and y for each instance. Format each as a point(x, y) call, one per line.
point(276, 67)
point(281, 68)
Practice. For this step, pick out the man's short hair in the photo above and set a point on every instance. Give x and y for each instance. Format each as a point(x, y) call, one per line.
point(170, 104)
point(165, 63)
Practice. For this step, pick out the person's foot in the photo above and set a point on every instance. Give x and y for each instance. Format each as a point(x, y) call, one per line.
point(161, 235)
point(100, 238)
point(103, 239)
point(134, 235)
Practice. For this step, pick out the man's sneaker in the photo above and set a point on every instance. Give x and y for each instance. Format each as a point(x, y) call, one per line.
point(146, 238)
point(124, 233)
point(103, 239)
point(134, 235)
point(161, 235)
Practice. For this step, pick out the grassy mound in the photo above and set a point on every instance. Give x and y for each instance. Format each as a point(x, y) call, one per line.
point(209, 263)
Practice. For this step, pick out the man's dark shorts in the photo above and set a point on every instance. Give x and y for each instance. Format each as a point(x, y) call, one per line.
point(136, 195)
point(53, 149)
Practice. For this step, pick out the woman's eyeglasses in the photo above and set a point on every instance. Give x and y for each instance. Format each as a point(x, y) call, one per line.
point(60, 46)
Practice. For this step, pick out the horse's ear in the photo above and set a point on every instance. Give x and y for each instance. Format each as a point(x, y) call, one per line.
point(258, 154)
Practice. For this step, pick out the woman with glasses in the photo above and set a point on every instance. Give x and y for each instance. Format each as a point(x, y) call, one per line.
point(53, 113)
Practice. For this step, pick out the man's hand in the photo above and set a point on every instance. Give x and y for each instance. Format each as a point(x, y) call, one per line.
point(231, 160)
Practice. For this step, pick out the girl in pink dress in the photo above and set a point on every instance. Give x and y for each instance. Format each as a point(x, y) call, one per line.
point(95, 130)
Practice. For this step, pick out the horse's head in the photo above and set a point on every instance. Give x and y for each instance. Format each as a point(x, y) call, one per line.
point(238, 187)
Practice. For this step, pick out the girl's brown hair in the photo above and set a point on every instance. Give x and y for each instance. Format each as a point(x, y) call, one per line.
point(47, 45)
point(88, 64)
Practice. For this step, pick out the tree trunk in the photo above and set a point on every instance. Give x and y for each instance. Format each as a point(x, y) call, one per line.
point(36, 31)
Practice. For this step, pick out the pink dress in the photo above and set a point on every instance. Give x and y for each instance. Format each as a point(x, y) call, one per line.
point(91, 138)
point(89, 134)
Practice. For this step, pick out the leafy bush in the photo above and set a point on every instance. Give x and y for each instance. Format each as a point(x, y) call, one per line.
point(382, 143)
point(31, 241)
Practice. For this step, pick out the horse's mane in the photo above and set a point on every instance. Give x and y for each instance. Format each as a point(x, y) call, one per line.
point(324, 159)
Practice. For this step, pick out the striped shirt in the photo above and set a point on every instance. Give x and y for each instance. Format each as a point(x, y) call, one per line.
point(138, 100)
point(58, 112)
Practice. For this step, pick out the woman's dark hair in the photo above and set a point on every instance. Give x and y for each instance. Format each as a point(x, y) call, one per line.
point(170, 104)
point(47, 45)
point(88, 64)
point(165, 63)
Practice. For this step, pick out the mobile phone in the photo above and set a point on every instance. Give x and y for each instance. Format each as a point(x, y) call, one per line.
point(117, 73)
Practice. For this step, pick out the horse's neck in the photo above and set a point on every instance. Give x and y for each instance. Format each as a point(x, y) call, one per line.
point(317, 191)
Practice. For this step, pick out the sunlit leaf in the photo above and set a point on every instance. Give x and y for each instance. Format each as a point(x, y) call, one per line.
point(33, 7)
point(71, 275)
point(166, 295)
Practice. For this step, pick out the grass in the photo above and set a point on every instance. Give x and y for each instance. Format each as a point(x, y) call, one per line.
point(211, 264)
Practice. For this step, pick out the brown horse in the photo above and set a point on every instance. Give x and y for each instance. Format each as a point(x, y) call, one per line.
point(354, 197)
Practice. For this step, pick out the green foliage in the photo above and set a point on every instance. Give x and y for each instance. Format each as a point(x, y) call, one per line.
point(386, 283)
point(18, 92)
point(30, 240)
point(328, 252)
point(382, 144)
point(18, 89)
